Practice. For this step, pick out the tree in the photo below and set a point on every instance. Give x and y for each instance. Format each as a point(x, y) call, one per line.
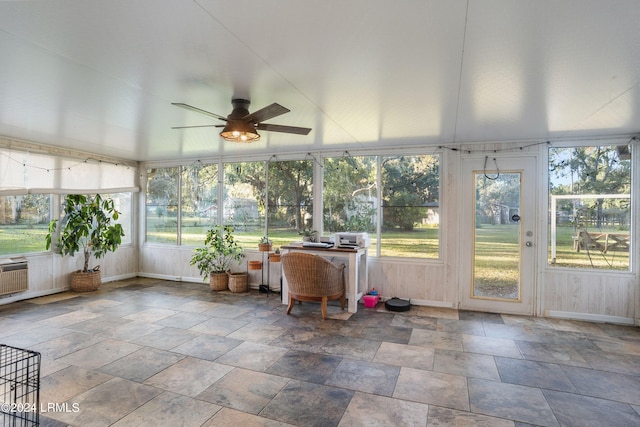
point(89, 225)
point(290, 190)
point(496, 197)
point(590, 170)
point(199, 187)
point(349, 182)
point(250, 173)
point(408, 183)
point(162, 188)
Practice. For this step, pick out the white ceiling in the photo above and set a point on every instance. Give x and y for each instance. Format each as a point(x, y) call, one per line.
point(100, 76)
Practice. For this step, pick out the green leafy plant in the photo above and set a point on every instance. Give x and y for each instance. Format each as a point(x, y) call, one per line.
point(308, 234)
point(219, 252)
point(88, 225)
point(264, 240)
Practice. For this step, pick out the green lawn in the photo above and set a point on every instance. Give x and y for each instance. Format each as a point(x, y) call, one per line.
point(566, 256)
point(20, 239)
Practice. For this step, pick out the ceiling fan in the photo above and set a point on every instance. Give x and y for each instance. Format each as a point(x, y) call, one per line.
point(241, 125)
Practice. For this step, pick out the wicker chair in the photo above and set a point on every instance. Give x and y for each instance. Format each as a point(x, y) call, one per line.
point(313, 278)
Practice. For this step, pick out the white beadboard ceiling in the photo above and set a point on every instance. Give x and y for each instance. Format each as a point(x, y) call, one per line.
point(100, 76)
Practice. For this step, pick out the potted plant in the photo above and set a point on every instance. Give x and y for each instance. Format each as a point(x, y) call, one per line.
point(308, 235)
point(275, 256)
point(215, 259)
point(265, 244)
point(88, 225)
point(255, 265)
point(238, 281)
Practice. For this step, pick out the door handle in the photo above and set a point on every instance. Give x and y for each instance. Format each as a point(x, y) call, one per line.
point(528, 244)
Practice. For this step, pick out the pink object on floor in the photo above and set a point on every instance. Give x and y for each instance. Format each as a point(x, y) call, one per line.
point(370, 301)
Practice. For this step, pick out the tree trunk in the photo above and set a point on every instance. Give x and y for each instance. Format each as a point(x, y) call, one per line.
point(87, 256)
point(599, 213)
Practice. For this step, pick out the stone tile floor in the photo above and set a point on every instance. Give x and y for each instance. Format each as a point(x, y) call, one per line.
point(145, 352)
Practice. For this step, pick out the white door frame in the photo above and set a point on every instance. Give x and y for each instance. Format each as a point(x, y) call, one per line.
point(529, 212)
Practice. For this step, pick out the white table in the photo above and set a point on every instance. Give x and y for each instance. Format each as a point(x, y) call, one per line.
point(357, 278)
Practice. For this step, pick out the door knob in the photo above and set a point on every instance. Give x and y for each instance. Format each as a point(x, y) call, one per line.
point(529, 244)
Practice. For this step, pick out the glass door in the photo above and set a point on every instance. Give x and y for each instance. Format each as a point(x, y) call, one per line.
point(500, 216)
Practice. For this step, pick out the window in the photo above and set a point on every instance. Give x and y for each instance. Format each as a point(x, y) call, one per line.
point(350, 195)
point(590, 207)
point(199, 207)
point(24, 223)
point(243, 206)
point(162, 205)
point(290, 199)
point(410, 206)
point(409, 191)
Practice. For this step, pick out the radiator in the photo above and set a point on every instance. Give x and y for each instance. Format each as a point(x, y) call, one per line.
point(14, 277)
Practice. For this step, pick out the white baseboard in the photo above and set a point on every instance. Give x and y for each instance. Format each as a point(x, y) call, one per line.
point(119, 277)
point(31, 294)
point(590, 317)
point(162, 277)
point(429, 303)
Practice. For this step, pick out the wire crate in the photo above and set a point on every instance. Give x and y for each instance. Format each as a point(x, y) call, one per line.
point(19, 387)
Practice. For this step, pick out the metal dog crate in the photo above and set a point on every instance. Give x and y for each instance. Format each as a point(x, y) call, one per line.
point(19, 387)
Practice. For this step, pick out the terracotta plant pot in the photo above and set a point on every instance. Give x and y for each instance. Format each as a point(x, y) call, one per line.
point(274, 257)
point(255, 265)
point(264, 247)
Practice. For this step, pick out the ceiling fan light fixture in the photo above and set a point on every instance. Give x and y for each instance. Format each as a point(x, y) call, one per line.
point(238, 131)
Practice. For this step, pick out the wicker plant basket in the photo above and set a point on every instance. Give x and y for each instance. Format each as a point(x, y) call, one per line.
point(218, 281)
point(255, 265)
point(86, 282)
point(264, 247)
point(238, 282)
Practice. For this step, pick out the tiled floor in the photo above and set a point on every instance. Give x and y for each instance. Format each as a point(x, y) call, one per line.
point(144, 352)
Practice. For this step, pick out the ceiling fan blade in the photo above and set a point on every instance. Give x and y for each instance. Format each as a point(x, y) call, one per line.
point(266, 113)
point(200, 126)
point(199, 110)
point(285, 129)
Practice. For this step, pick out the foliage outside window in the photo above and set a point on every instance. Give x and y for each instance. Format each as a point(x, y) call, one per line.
point(350, 196)
point(590, 204)
point(162, 205)
point(199, 203)
point(243, 205)
point(24, 223)
point(290, 197)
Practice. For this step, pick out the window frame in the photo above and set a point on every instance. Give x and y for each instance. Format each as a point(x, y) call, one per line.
point(549, 263)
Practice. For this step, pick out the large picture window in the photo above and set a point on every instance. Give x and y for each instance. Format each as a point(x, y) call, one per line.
point(590, 207)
